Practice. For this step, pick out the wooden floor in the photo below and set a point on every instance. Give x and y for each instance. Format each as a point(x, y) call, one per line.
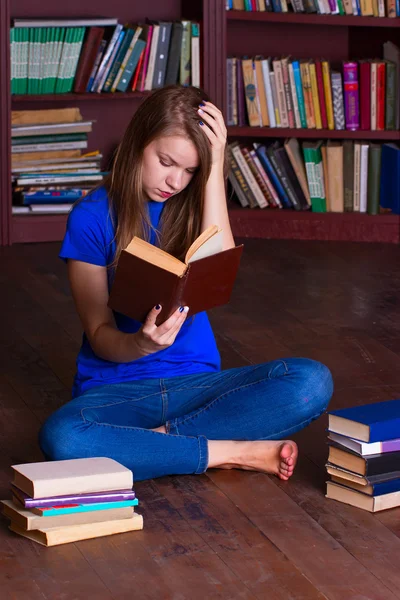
point(227, 534)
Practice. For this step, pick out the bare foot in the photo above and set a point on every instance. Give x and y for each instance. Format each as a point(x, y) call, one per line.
point(273, 457)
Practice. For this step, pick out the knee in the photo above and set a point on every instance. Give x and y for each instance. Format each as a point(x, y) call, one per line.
point(315, 386)
point(56, 439)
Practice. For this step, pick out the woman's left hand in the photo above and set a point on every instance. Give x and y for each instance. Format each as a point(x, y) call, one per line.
point(213, 124)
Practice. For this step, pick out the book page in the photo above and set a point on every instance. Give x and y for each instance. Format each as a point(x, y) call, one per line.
point(211, 246)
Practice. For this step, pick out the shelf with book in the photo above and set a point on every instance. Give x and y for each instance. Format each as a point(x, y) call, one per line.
point(109, 121)
point(312, 40)
point(291, 224)
point(312, 19)
point(267, 132)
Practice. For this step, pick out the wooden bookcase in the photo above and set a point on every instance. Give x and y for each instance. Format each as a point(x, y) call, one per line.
point(335, 38)
point(223, 33)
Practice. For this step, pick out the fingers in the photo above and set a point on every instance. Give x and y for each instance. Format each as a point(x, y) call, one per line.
point(152, 316)
point(172, 325)
point(213, 117)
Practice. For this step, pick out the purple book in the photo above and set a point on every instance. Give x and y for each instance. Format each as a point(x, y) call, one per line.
point(94, 497)
point(351, 95)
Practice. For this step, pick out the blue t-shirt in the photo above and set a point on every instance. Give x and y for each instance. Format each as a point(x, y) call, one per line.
point(90, 238)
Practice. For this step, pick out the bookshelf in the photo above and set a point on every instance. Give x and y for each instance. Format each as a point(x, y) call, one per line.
point(336, 38)
point(111, 112)
point(223, 33)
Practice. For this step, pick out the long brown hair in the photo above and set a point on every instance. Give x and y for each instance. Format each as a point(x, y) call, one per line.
point(172, 110)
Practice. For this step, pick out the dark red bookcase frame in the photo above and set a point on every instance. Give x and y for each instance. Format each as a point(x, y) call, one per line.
point(223, 33)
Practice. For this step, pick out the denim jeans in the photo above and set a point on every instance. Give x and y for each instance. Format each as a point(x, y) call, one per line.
point(262, 402)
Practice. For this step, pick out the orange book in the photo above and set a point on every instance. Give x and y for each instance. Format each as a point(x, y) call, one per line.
point(326, 76)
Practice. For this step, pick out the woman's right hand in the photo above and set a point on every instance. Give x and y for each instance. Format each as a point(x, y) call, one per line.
point(152, 338)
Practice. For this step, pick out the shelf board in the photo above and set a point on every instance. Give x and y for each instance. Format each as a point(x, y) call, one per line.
point(312, 19)
point(38, 228)
point(79, 97)
point(250, 223)
point(305, 225)
point(277, 132)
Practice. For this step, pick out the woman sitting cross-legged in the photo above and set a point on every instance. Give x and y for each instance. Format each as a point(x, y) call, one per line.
point(154, 398)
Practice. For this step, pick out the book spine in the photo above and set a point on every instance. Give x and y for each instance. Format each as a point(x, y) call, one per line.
point(351, 101)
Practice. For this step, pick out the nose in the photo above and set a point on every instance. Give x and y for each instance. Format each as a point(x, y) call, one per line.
point(174, 180)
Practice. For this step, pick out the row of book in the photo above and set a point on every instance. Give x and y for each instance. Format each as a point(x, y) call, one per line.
point(332, 176)
point(102, 55)
point(363, 8)
point(64, 501)
point(364, 456)
point(309, 94)
point(49, 171)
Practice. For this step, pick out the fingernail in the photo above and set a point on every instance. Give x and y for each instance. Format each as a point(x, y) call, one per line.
point(181, 309)
point(201, 112)
point(201, 104)
point(186, 309)
point(158, 307)
point(201, 123)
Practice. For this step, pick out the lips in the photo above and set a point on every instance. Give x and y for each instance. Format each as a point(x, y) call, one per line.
point(165, 194)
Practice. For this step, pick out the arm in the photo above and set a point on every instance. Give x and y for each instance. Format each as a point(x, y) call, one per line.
point(90, 292)
point(215, 206)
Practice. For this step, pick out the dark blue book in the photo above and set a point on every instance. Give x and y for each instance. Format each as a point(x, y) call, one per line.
point(369, 423)
point(390, 178)
point(269, 169)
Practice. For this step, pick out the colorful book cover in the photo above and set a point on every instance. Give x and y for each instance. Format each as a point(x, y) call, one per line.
point(381, 420)
point(66, 509)
point(94, 497)
point(351, 98)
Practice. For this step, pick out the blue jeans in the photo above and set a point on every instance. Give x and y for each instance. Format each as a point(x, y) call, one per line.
point(266, 401)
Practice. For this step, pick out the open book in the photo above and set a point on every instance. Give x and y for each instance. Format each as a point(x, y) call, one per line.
point(147, 276)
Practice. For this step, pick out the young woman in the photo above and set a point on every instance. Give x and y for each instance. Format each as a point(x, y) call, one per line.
point(154, 398)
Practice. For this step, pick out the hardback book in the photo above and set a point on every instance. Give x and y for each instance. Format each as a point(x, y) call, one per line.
point(202, 281)
point(355, 498)
point(74, 508)
point(376, 422)
point(357, 478)
point(74, 533)
point(26, 519)
point(363, 448)
point(374, 464)
point(372, 489)
point(74, 476)
point(113, 496)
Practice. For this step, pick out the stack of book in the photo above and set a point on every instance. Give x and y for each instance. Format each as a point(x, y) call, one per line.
point(49, 171)
point(364, 456)
point(70, 500)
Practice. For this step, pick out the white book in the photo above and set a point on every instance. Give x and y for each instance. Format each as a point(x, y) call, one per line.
point(50, 209)
point(265, 64)
point(78, 475)
point(363, 448)
point(64, 22)
point(51, 129)
point(41, 180)
point(195, 41)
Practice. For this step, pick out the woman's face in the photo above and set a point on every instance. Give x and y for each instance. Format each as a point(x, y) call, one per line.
point(169, 163)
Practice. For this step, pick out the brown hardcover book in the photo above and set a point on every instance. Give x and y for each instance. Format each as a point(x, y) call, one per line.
point(204, 280)
point(75, 533)
point(87, 58)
